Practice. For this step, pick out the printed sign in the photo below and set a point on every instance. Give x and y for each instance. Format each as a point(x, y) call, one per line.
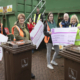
point(1, 53)
point(2, 39)
point(37, 34)
point(1, 9)
point(9, 8)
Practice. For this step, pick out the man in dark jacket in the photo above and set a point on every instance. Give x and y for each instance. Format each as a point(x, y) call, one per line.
point(66, 21)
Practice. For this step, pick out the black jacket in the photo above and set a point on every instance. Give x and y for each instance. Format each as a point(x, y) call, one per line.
point(46, 33)
point(65, 24)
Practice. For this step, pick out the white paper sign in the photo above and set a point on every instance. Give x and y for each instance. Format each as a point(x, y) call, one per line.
point(63, 36)
point(37, 34)
point(2, 39)
point(1, 53)
point(1, 9)
point(9, 8)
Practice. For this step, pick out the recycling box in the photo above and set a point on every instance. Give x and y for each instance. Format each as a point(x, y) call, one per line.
point(17, 60)
point(71, 56)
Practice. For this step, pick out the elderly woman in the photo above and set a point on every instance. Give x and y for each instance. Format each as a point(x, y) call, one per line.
point(65, 22)
point(74, 22)
point(20, 30)
point(47, 32)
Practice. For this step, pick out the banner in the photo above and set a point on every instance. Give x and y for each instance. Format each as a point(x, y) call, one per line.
point(63, 36)
point(1, 9)
point(37, 34)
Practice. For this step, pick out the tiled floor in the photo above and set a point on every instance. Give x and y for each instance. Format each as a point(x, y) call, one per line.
point(39, 67)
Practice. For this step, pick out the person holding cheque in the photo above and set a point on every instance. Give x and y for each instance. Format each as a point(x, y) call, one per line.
point(65, 22)
point(74, 22)
point(47, 32)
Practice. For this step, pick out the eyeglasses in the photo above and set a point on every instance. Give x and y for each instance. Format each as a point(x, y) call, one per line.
point(50, 16)
point(21, 18)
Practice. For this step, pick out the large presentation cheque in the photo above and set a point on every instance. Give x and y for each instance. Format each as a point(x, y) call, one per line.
point(63, 36)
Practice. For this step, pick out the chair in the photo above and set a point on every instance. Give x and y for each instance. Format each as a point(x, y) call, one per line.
point(7, 32)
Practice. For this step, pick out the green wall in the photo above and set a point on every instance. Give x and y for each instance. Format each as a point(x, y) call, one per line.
point(4, 3)
point(62, 6)
point(59, 7)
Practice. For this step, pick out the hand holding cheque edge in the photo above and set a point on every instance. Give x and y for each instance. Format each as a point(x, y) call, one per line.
point(50, 33)
point(78, 27)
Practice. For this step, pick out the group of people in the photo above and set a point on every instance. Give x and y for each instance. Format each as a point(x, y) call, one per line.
point(71, 22)
point(37, 16)
point(65, 23)
point(21, 31)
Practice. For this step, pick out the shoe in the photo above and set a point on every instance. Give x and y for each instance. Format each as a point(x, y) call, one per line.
point(32, 76)
point(54, 63)
point(52, 48)
point(50, 66)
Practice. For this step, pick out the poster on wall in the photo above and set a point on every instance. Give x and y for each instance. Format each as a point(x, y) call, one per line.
point(1, 9)
point(9, 8)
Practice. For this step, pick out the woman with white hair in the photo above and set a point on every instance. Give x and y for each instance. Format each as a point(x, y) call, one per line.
point(65, 22)
point(74, 22)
